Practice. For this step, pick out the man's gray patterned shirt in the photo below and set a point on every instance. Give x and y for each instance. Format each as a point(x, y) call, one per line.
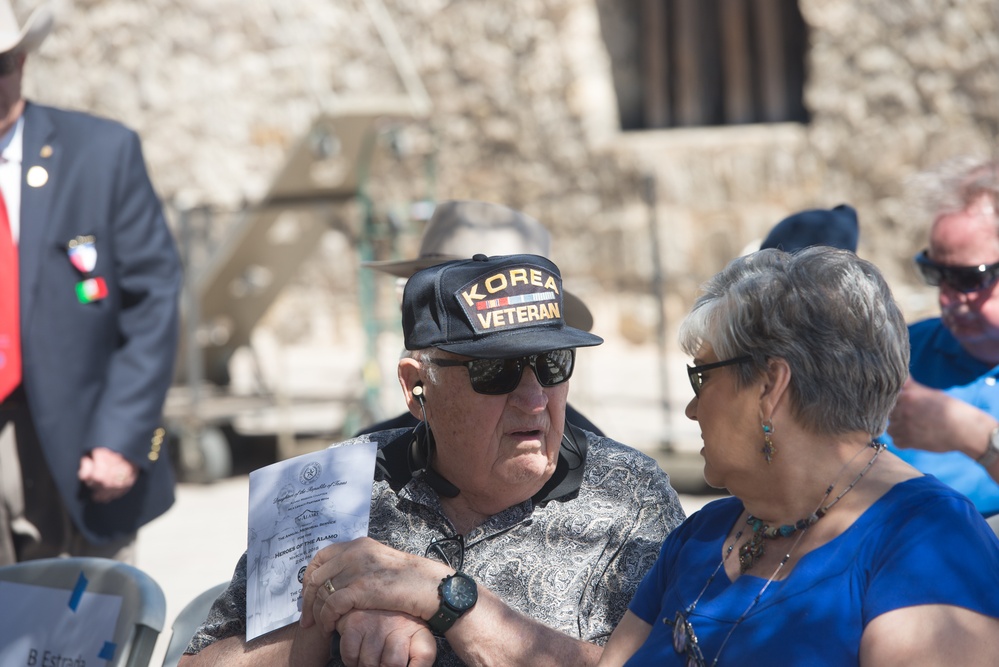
point(572, 562)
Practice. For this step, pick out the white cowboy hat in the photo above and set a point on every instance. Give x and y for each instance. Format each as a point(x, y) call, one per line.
point(460, 229)
point(28, 37)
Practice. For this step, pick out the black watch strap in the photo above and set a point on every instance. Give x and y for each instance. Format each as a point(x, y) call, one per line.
point(445, 617)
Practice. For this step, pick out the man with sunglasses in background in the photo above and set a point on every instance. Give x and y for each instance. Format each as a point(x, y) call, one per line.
point(946, 422)
point(500, 534)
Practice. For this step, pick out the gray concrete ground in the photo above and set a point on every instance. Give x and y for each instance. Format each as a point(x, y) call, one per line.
point(197, 543)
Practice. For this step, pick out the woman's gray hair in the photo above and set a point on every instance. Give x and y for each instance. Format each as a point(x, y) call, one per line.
point(828, 313)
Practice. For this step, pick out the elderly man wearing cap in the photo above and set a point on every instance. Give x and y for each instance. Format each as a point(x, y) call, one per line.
point(89, 284)
point(461, 229)
point(513, 537)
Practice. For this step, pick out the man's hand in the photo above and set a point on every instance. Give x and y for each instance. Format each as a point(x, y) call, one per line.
point(366, 574)
point(385, 639)
point(107, 474)
point(929, 419)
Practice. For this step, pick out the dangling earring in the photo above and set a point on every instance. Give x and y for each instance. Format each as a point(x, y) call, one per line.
point(768, 445)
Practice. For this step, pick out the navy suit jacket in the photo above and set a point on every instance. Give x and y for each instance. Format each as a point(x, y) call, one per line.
point(96, 374)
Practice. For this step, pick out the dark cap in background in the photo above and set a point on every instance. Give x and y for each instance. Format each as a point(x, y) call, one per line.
point(836, 227)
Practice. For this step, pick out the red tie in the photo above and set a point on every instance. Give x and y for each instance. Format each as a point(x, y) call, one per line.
point(10, 316)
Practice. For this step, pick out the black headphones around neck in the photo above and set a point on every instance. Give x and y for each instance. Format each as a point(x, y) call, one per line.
point(420, 450)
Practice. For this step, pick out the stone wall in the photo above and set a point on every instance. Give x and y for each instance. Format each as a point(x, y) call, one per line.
point(523, 112)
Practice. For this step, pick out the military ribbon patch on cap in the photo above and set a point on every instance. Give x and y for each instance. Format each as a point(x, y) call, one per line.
point(512, 298)
point(82, 253)
point(92, 289)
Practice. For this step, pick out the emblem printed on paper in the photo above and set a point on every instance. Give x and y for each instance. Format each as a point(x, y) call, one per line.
point(310, 472)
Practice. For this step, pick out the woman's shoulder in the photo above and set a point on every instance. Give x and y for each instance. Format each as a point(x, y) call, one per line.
point(924, 493)
point(922, 513)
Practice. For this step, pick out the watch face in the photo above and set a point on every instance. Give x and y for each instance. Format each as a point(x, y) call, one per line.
point(459, 592)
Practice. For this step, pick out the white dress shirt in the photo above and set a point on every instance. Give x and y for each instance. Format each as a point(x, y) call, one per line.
point(11, 156)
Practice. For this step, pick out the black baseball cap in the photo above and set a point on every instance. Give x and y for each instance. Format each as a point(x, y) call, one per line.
point(489, 308)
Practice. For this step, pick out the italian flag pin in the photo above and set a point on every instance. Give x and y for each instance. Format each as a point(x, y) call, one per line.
point(92, 289)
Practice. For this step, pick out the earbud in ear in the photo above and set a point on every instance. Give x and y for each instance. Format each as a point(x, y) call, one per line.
point(418, 392)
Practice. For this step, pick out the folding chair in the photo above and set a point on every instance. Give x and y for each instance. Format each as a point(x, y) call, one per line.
point(188, 620)
point(141, 616)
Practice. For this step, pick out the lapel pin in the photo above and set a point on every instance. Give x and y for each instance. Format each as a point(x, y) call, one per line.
point(91, 289)
point(37, 176)
point(82, 253)
point(46, 151)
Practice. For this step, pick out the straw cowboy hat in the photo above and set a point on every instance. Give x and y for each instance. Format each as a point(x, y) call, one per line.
point(23, 38)
point(461, 229)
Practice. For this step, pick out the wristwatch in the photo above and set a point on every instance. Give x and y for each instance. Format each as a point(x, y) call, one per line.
point(458, 594)
point(992, 453)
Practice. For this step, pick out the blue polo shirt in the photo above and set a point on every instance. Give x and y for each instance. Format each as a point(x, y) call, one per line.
point(938, 361)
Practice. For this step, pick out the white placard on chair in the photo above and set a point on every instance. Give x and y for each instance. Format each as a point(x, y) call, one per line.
point(53, 626)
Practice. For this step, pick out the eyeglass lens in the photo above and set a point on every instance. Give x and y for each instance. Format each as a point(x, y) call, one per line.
point(965, 279)
point(696, 373)
point(696, 380)
point(501, 376)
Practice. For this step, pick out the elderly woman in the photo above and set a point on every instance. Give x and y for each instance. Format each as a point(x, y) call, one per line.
point(831, 550)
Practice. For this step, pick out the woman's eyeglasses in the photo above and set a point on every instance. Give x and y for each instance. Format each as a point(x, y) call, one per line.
point(695, 373)
point(501, 376)
point(450, 551)
point(685, 642)
point(965, 279)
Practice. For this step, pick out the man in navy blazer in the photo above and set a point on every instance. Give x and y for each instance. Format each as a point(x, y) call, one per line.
point(99, 279)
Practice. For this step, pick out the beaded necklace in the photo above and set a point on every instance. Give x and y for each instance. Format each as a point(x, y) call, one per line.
point(754, 549)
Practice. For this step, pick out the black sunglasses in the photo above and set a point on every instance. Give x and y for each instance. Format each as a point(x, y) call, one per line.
point(695, 373)
point(501, 376)
point(964, 279)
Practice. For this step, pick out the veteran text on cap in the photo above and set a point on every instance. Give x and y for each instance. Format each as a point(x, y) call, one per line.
point(489, 307)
